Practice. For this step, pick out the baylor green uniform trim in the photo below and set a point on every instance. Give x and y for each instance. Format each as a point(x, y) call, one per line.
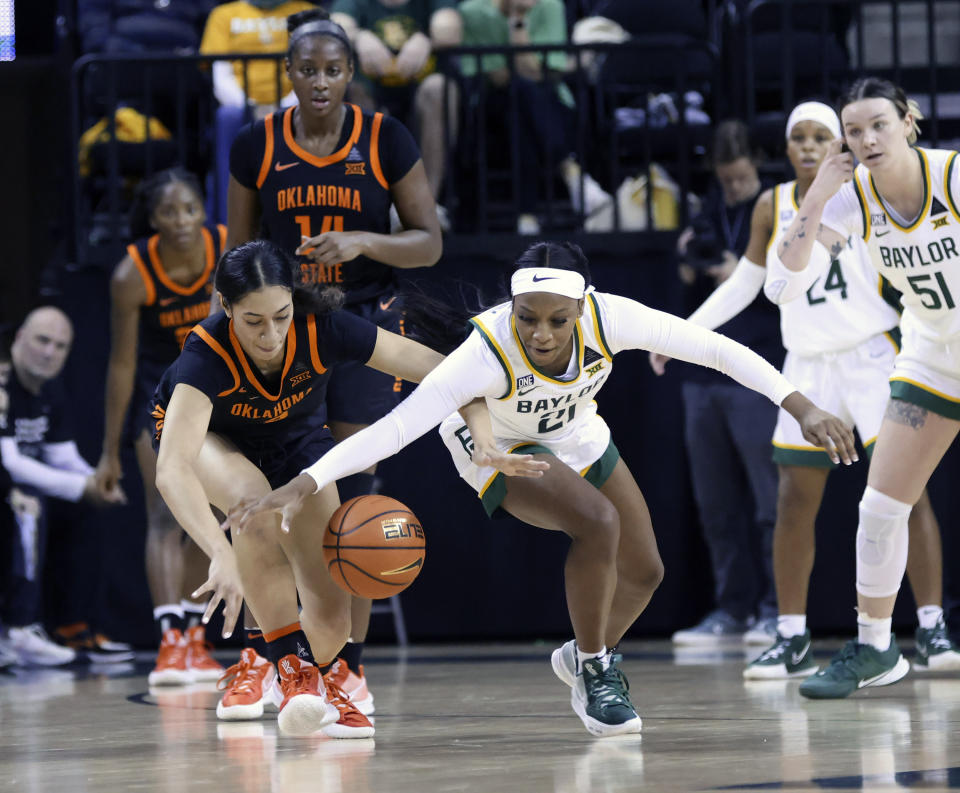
point(807, 458)
point(598, 327)
point(500, 356)
point(597, 475)
point(925, 397)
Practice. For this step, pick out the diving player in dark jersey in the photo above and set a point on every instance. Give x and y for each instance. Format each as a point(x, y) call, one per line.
point(243, 409)
point(321, 177)
point(159, 291)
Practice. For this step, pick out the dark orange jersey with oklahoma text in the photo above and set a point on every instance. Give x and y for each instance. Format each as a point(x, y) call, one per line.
point(172, 309)
point(249, 408)
point(302, 195)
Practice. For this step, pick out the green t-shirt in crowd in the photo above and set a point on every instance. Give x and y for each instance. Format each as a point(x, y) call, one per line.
point(485, 25)
point(392, 25)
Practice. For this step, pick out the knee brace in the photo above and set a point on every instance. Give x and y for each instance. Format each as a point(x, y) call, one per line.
point(881, 544)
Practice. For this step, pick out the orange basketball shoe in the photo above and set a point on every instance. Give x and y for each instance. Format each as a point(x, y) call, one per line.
point(305, 709)
point(200, 663)
point(353, 685)
point(351, 722)
point(249, 686)
point(171, 668)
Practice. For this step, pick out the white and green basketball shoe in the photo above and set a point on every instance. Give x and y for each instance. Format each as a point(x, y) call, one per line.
point(786, 658)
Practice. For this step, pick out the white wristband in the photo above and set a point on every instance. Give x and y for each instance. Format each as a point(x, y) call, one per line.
point(783, 285)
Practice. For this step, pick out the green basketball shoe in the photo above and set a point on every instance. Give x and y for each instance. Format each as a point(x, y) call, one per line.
point(856, 666)
point(601, 699)
point(935, 650)
point(784, 659)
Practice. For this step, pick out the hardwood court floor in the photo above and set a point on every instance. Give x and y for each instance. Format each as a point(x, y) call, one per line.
point(485, 718)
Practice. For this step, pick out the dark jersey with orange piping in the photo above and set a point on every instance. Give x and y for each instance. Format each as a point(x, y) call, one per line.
point(171, 309)
point(249, 408)
point(302, 195)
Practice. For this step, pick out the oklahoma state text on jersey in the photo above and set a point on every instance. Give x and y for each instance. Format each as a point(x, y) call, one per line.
point(172, 309)
point(246, 404)
point(302, 195)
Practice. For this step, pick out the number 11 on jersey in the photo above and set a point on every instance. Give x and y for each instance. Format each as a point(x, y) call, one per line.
point(314, 272)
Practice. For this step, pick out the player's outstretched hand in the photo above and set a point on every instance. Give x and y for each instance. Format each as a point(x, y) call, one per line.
point(822, 429)
point(659, 362)
point(223, 580)
point(287, 500)
point(510, 464)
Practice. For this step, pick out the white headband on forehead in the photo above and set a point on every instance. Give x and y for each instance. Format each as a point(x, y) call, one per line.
point(548, 279)
point(815, 111)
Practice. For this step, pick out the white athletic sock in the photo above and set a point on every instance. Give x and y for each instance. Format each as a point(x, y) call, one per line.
point(790, 625)
point(929, 616)
point(873, 631)
point(600, 656)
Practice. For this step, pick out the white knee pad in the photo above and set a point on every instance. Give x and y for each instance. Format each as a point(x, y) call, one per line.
point(881, 544)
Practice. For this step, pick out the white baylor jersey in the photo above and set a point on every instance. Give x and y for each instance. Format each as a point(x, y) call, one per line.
point(538, 405)
point(921, 260)
point(838, 312)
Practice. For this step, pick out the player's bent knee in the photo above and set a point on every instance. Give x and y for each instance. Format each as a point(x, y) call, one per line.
point(882, 539)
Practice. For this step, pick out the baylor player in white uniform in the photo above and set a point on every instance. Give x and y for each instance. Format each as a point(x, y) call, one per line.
point(539, 412)
point(901, 201)
point(841, 337)
point(538, 361)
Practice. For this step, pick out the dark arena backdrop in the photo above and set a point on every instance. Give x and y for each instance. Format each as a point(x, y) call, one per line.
point(482, 579)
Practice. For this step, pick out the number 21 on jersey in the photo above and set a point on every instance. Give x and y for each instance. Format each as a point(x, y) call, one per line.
point(314, 272)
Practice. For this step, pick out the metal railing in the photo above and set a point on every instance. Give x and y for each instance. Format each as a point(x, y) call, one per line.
point(820, 46)
point(177, 89)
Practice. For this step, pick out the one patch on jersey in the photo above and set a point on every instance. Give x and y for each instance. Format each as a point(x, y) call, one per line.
point(785, 215)
point(523, 382)
point(592, 370)
point(355, 169)
point(937, 208)
point(354, 155)
point(879, 220)
point(590, 355)
point(939, 222)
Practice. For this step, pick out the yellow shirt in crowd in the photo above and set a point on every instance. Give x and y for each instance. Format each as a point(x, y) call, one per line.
point(242, 27)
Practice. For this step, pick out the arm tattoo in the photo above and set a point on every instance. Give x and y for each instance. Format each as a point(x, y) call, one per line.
point(906, 413)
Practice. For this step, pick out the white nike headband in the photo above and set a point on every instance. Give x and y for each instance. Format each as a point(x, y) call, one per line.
point(814, 111)
point(548, 279)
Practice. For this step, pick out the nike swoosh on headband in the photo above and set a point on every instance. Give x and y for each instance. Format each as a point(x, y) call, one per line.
point(537, 280)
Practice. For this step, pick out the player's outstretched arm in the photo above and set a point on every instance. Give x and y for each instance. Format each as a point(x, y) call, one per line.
point(184, 432)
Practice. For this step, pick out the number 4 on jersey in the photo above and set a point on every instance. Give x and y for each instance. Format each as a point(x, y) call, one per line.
point(834, 280)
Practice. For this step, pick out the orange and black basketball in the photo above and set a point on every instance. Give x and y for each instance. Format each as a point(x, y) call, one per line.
point(374, 546)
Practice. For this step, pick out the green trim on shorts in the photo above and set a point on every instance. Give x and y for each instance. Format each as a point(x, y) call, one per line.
point(869, 447)
point(895, 336)
point(808, 458)
point(917, 395)
point(597, 475)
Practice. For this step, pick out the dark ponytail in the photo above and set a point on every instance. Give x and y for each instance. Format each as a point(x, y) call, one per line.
point(443, 324)
point(261, 263)
point(148, 194)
